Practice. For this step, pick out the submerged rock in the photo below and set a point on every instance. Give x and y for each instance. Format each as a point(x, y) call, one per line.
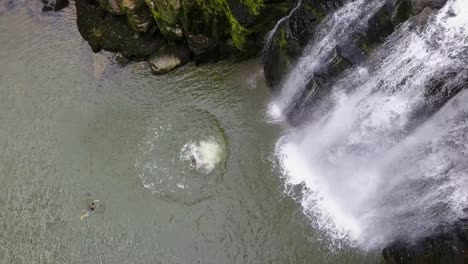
point(54, 5)
point(169, 58)
point(449, 246)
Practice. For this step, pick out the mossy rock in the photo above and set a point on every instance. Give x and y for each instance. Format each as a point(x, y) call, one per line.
point(111, 6)
point(140, 19)
point(130, 5)
point(166, 15)
point(105, 31)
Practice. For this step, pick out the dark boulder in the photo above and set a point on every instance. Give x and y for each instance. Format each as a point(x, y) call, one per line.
point(106, 31)
point(419, 5)
point(111, 6)
point(404, 9)
point(203, 48)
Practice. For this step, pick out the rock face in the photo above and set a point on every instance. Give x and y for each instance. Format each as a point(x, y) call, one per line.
point(208, 29)
point(291, 35)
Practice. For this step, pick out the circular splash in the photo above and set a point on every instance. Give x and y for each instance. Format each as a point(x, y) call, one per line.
point(203, 155)
point(183, 159)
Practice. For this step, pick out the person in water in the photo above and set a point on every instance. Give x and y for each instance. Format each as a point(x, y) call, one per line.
point(91, 208)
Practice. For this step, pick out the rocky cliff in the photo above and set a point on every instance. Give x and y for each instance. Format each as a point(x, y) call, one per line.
point(169, 33)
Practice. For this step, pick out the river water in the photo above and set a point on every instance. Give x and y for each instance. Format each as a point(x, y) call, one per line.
point(75, 127)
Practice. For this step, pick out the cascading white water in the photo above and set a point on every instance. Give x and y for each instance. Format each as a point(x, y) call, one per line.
point(374, 170)
point(333, 31)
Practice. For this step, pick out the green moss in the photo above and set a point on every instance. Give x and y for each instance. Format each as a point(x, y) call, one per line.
point(254, 6)
point(166, 11)
point(365, 47)
point(111, 6)
point(221, 8)
point(282, 40)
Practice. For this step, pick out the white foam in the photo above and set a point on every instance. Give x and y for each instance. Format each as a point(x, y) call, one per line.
point(206, 154)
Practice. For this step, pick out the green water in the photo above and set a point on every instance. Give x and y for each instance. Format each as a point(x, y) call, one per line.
point(75, 127)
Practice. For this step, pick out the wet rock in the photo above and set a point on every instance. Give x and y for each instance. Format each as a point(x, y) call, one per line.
point(140, 19)
point(441, 88)
point(166, 14)
point(111, 6)
point(129, 5)
point(403, 11)
point(422, 17)
point(210, 29)
point(408, 8)
point(120, 59)
point(287, 42)
point(448, 246)
point(243, 14)
point(380, 25)
point(54, 5)
point(202, 47)
point(105, 31)
point(169, 58)
point(419, 5)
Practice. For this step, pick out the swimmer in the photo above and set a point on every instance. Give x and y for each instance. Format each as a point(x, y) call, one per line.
point(91, 207)
point(193, 162)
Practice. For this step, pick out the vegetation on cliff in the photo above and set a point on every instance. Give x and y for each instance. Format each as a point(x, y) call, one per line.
point(210, 29)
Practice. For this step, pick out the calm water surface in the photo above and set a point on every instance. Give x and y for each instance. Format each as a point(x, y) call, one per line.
point(76, 127)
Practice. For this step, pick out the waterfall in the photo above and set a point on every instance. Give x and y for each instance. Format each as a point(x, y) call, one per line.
point(387, 158)
point(335, 30)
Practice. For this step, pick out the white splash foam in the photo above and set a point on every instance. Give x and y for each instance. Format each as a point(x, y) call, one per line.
point(203, 155)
